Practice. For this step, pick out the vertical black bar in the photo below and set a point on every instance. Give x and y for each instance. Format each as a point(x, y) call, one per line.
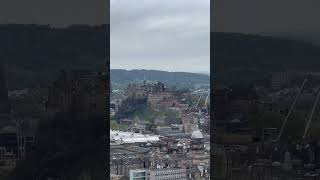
point(212, 76)
point(38, 39)
point(107, 122)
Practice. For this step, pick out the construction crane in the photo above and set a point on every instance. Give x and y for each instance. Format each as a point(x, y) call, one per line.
point(311, 115)
point(207, 99)
point(291, 108)
point(20, 139)
point(200, 98)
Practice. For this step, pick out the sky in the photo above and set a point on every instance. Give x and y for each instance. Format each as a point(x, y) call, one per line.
point(270, 17)
point(170, 35)
point(57, 13)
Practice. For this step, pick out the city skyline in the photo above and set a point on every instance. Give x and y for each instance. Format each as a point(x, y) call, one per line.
point(160, 35)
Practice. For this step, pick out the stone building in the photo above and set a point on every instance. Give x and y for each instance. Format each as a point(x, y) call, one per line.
point(158, 174)
point(280, 79)
point(15, 142)
point(17, 133)
point(82, 93)
point(126, 158)
point(143, 90)
point(135, 91)
point(167, 173)
point(197, 142)
point(117, 177)
point(153, 92)
point(154, 98)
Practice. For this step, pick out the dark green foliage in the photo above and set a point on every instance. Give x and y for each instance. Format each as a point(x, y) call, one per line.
point(114, 125)
point(247, 59)
point(130, 107)
point(133, 108)
point(178, 79)
point(35, 54)
point(146, 114)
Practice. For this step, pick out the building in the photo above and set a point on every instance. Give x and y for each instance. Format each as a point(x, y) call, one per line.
point(154, 98)
point(197, 142)
point(17, 139)
point(15, 143)
point(153, 92)
point(135, 90)
point(124, 158)
point(117, 177)
point(81, 93)
point(280, 79)
point(168, 102)
point(167, 173)
point(158, 174)
point(121, 137)
point(114, 106)
point(8, 141)
point(138, 174)
point(163, 131)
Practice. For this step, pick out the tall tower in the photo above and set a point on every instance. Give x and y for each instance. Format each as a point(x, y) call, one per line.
point(4, 101)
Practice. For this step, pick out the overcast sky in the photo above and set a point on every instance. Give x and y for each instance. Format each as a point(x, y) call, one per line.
point(54, 12)
point(267, 16)
point(171, 35)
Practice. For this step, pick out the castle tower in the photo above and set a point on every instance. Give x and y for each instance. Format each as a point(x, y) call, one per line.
point(4, 101)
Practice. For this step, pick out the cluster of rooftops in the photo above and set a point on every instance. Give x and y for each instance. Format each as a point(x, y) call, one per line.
point(121, 137)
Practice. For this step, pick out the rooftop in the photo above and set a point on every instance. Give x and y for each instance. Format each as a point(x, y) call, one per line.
point(122, 137)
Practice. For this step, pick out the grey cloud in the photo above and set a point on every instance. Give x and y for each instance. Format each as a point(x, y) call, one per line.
point(265, 16)
point(54, 12)
point(160, 34)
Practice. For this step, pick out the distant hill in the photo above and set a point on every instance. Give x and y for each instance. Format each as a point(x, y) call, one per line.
point(120, 77)
point(35, 53)
point(307, 36)
point(244, 58)
point(202, 72)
